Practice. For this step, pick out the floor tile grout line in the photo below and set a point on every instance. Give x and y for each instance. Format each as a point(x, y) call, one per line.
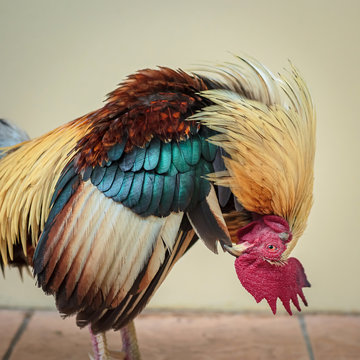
point(306, 337)
point(18, 334)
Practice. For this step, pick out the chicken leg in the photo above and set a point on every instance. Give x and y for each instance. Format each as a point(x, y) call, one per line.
point(99, 345)
point(130, 346)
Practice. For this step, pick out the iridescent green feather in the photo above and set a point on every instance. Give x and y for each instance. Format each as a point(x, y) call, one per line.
point(208, 150)
point(116, 185)
point(184, 190)
point(165, 158)
point(191, 150)
point(167, 195)
point(161, 177)
point(139, 159)
point(108, 178)
point(157, 191)
point(125, 187)
point(135, 190)
point(128, 159)
point(178, 158)
point(116, 151)
point(152, 154)
point(97, 175)
point(147, 191)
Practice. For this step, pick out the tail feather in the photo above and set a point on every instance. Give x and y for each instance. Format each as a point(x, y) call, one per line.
point(10, 135)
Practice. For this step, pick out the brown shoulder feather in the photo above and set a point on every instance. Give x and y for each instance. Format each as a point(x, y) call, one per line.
point(149, 103)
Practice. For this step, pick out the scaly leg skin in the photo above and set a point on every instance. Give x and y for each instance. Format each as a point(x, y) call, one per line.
point(99, 344)
point(130, 346)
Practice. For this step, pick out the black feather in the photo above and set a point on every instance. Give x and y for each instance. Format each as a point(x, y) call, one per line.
point(206, 226)
point(224, 193)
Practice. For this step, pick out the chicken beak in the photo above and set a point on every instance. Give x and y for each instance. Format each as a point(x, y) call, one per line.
point(238, 249)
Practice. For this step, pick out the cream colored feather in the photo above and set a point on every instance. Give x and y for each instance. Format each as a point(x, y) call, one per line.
point(109, 238)
point(270, 139)
point(28, 175)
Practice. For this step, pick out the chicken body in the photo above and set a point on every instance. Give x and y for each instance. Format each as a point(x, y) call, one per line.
point(104, 206)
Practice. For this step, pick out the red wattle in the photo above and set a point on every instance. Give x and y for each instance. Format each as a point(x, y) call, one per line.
point(265, 280)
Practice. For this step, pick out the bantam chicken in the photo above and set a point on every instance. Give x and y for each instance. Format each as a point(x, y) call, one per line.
point(104, 206)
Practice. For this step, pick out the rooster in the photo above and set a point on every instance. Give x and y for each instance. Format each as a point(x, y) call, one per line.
point(104, 206)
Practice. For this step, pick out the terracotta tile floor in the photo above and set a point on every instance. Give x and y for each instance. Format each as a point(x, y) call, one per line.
point(191, 336)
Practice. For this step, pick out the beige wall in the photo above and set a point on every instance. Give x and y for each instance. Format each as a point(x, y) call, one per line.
point(59, 58)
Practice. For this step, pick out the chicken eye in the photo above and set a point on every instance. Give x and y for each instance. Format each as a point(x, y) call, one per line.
point(272, 247)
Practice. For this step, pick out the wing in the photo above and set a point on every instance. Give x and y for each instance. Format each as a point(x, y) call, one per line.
point(121, 209)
